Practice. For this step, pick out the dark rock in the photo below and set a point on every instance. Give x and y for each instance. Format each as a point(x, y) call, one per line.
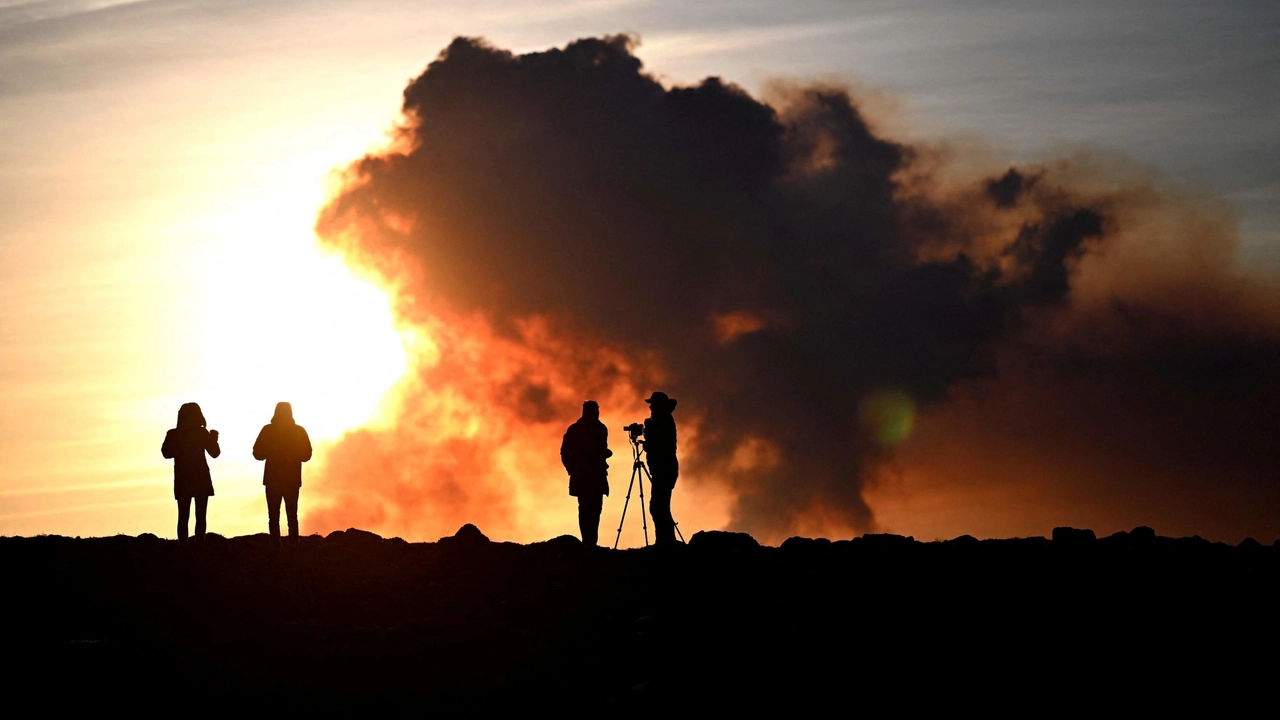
point(1184, 544)
point(1073, 536)
point(886, 540)
point(1139, 537)
point(722, 541)
point(804, 544)
point(563, 543)
point(1249, 544)
point(470, 533)
point(353, 535)
point(962, 541)
point(1034, 542)
point(467, 536)
point(1142, 534)
point(148, 537)
point(258, 540)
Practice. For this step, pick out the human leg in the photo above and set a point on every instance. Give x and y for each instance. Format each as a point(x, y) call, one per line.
point(664, 471)
point(589, 507)
point(664, 528)
point(291, 510)
point(184, 515)
point(202, 508)
point(273, 514)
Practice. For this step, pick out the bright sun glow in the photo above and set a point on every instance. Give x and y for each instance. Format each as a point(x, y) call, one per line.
point(286, 322)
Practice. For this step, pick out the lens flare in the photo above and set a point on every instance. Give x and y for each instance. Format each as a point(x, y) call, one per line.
point(888, 415)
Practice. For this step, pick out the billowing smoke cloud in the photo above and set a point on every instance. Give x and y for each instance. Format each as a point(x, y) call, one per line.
point(560, 225)
point(1153, 398)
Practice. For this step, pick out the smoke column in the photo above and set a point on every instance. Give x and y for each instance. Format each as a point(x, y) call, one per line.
point(559, 225)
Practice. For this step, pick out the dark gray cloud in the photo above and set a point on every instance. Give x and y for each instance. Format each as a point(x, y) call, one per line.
point(568, 184)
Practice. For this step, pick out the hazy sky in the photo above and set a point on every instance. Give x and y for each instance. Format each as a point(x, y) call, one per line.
point(161, 162)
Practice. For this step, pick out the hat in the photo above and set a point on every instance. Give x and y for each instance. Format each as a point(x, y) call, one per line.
point(660, 399)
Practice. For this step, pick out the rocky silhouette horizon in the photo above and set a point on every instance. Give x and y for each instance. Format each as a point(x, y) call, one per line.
point(352, 622)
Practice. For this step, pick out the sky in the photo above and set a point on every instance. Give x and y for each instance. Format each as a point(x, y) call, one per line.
point(162, 165)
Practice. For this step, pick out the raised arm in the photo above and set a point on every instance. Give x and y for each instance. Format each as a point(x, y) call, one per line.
point(211, 444)
point(167, 449)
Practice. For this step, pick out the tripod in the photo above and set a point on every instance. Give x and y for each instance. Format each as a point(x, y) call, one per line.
point(638, 469)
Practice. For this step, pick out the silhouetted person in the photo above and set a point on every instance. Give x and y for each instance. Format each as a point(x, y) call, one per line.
point(285, 445)
point(664, 468)
point(585, 453)
point(186, 444)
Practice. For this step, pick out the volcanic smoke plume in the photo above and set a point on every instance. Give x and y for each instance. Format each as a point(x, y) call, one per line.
point(559, 226)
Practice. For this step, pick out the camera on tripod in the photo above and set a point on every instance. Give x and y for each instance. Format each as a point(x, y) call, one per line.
point(635, 430)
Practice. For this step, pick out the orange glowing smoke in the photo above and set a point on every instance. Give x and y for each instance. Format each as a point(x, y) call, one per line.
point(732, 325)
point(477, 436)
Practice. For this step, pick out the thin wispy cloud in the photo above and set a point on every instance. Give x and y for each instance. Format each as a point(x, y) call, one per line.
point(541, 12)
point(20, 13)
point(671, 45)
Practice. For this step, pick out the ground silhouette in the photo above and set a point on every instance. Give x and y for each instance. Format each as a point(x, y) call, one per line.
point(353, 622)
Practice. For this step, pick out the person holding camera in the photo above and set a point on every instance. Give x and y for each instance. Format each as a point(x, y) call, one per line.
point(585, 453)
point(186, 444)
point(284, 445)
point(664, 468)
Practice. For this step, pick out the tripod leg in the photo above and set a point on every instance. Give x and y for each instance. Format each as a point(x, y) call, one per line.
point(643, 523)
point(624, 508)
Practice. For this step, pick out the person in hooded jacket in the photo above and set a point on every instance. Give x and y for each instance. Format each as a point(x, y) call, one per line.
point(585, 452)
point(284, 445)
point(186, 445)
point(664, 467)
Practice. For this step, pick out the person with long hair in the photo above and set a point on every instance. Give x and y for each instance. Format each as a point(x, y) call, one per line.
point(284, 445)
point(187, 444)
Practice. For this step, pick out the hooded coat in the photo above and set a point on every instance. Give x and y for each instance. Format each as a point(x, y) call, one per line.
point(186, 445)
point(284, 445)
point(585, 453)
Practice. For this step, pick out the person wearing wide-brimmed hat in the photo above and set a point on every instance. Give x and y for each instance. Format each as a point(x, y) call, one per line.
point(664, 468)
